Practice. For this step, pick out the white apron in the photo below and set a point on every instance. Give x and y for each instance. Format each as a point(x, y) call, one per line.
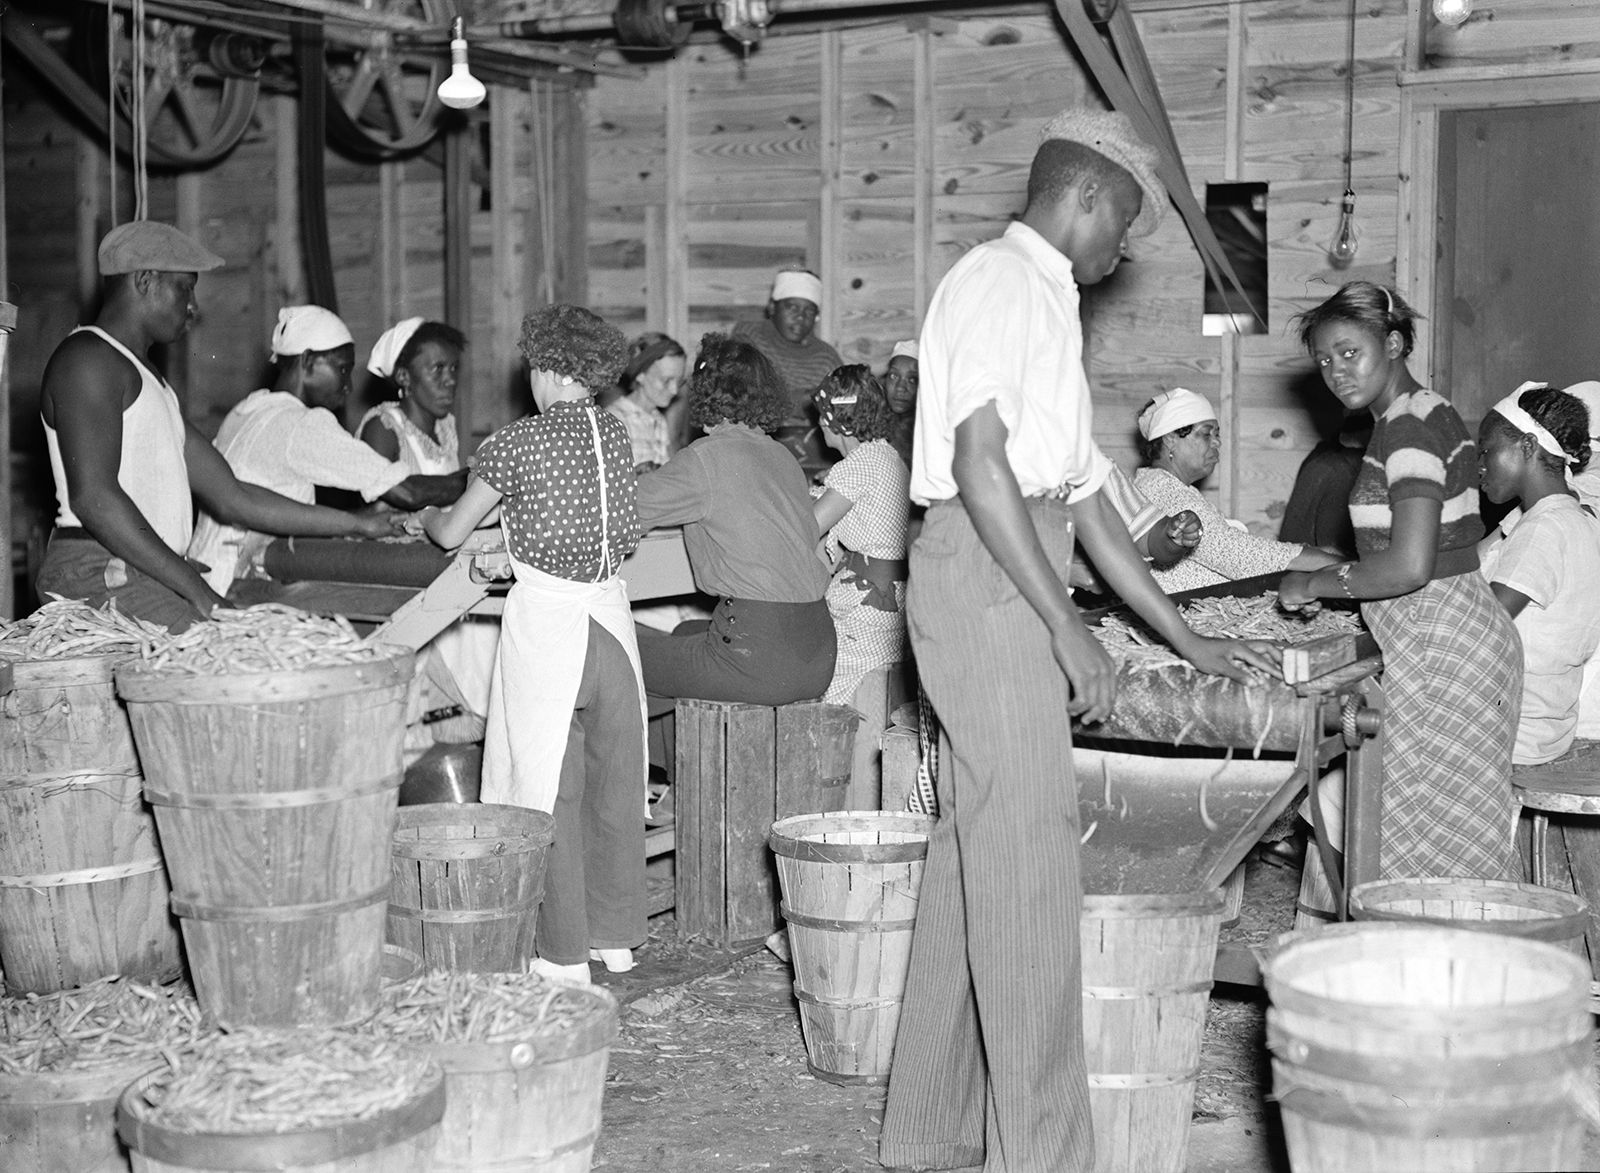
point(544, 636)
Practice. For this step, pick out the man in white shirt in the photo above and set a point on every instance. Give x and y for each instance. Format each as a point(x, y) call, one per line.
point(989, 1064)
point(289, 439)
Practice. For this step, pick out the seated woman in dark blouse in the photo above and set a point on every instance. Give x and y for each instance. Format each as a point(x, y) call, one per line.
point(748, 527)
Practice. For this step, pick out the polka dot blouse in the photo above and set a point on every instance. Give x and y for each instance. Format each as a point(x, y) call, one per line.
point(545, 468)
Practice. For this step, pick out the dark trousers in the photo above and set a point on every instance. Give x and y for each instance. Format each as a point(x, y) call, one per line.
point(594, 871)
point(78, 567)
point(754, 652)
point(989, 1067)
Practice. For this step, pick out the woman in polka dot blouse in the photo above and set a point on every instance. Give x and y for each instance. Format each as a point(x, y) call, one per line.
point(566, 710)
point(743, 503)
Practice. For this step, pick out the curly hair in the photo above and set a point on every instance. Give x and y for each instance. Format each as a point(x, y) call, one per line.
point(1150, 449)
point(734, 381)
point(644, 352)
point(1376, 307)
point(868, 418)
point(440, 332)
point(1566, 419)
point(571, 341)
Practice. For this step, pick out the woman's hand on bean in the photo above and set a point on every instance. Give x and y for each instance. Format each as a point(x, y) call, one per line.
point(1295, 593)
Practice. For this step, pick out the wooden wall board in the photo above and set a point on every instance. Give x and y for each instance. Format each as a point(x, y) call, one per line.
point(1514, 32)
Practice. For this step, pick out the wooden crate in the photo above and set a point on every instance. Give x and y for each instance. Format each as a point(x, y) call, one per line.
point(740, 768)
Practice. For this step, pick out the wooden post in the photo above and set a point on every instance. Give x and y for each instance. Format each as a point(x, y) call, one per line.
point(509, 222)
point(458, 263)
point(675, 260)
point(829, 261)
point(8, 323)
point(926, 163)
point(291, 283)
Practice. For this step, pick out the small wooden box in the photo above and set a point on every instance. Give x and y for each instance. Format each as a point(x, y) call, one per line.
point(902, 754)
point(740, 768)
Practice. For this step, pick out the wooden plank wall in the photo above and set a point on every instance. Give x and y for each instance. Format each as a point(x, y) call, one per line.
point(879, 154)
point(386, 232)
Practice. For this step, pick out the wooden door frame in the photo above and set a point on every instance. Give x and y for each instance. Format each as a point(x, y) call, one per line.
point(1426, 95)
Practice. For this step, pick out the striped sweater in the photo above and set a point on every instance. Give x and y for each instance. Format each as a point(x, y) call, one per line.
point(1419, 448)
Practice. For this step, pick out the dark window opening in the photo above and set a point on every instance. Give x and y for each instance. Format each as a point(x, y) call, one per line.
point(1237, 213)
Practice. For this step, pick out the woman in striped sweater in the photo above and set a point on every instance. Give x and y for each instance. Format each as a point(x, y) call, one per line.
point(1452, 660)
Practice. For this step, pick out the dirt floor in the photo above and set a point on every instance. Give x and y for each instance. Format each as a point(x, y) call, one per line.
point(709, 1073)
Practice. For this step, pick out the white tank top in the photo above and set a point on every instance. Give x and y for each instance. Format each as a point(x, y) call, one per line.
point(419, 452)
point(153, 471)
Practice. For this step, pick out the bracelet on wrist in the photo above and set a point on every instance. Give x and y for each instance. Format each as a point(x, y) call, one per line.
point(1342, 573)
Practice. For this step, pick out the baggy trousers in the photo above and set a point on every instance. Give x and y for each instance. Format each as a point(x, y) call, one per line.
point(989, 1067)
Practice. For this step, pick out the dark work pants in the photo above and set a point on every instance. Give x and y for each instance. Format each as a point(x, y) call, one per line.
point(594, 872)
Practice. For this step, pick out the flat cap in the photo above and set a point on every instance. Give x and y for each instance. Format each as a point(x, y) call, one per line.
point(1109, 133)
point(150, 244)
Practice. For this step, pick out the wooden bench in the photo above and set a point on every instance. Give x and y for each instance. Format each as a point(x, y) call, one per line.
point(740, 768)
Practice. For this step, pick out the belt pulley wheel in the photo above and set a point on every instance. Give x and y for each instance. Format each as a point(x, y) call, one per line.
point(649, 24)
point(383, 98)
point(193, 115)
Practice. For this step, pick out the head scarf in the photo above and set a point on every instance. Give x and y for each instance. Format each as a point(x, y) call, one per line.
point(796, 283)
point(308, 327)
point(1588, 393)
point(1171, 410)
point(386, 350)
point(904, 350)
point(1510, 410)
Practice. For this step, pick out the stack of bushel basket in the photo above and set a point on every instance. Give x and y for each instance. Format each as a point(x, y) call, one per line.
point(256, 761)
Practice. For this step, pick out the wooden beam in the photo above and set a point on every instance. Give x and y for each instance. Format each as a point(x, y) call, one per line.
point(390, 247)
point(290, 260)
point(190, 189)
point(1233, 136)
point(925, 162)
point(8, 322)
point(675, 253)
point(90, 168)
point(509, 220)
point(829, 261)
point(458, 262)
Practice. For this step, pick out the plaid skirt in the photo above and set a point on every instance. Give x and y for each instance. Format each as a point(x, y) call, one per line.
point(1452, 677)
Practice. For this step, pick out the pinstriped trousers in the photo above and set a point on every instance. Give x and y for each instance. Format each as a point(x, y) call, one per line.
point(989, 1069)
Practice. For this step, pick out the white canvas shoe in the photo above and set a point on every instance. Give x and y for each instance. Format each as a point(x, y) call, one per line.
point(616, 960)
point(571, 975)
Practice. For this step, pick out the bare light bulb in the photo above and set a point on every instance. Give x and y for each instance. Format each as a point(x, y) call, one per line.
point(460, 91)
point(1343, 249)
point(1452, 12)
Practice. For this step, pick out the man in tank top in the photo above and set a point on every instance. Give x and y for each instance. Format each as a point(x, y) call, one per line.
point(127, 466)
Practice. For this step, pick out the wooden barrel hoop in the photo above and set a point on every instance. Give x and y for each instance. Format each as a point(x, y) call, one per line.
point(466, 882)
point(850, 881)
point(269, 1152)
point(83, 886)
point(1147, 965)
point(1410, 1045)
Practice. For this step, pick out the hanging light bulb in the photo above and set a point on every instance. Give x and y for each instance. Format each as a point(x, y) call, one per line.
point(1343, 249)
point(460, 91)
point(1452, 12)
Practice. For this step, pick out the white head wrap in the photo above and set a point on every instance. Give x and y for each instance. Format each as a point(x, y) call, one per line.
point(1172, 410)
point(386, 350)
point(794, 283)
point(904, 350)
point(1511, 411)
point(1589, 393)
point(308, 327)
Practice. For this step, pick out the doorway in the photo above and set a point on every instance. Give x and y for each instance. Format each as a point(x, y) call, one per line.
point(1516, 292)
